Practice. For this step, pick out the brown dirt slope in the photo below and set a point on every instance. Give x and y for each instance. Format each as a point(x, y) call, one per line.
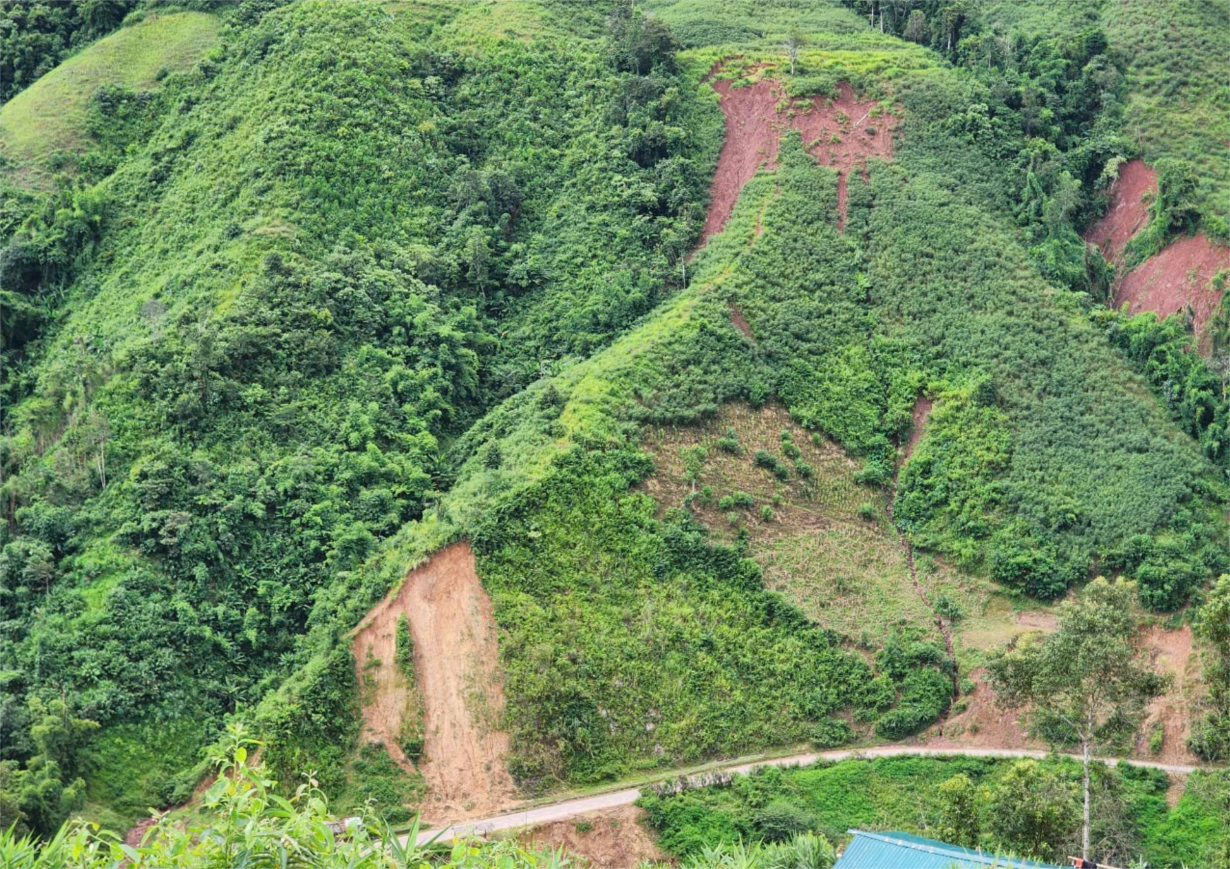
point(1175, 280)
point(1171, 652)
point(610, 839)
point(982, 724)
point(456, 660)
point(1127, 211)
point(840, 132)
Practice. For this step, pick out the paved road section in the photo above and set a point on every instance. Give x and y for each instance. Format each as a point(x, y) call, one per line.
point(568, 809)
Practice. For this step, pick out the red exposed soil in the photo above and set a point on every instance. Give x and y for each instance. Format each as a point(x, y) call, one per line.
point(982, 724)
point(1177, 279)
point(609, 839)
point(1171, 653)
point(918, 424)
point(137, 832)
point(836, 132)
point(840, 133)
point(1127, 212)
point(456, 662)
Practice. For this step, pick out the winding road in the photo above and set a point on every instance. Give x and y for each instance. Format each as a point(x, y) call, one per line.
point(571, 808)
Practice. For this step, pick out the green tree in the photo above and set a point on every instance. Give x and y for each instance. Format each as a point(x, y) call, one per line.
point(1211, 737)
point(1087, 674)
point(1031, 809)
point(58, 735)
point(959, 822)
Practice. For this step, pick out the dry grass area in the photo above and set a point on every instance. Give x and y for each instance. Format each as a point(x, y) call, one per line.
point(998, 622)
point(822, 539)
point(610, 839)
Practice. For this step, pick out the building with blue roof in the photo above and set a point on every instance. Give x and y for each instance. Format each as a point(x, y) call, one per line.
point(903, 851)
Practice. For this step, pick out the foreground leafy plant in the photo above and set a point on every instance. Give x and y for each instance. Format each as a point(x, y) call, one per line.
point(244, 824)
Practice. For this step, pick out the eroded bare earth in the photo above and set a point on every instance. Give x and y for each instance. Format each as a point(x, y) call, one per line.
point(840, 132)
point(1179, 278)
point(456, 660)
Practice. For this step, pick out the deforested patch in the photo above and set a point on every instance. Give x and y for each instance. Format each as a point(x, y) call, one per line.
point(841, 131)
point(1164, 731)
point(1178, 280)
point(611, 839)
point(820, 537)
point(454, 686)
point(1126, 212)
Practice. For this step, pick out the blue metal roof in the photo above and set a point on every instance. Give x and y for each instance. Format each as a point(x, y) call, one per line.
point(903, 851)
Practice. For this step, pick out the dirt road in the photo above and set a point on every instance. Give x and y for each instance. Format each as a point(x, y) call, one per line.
point(566, 809)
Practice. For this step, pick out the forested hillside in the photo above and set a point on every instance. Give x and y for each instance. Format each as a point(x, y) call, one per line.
point(293, 295)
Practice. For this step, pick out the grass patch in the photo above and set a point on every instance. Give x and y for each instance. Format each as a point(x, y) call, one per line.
point(847, 571)
point(49, 116)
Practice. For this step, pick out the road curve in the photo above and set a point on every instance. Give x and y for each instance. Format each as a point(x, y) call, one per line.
point(567, 809)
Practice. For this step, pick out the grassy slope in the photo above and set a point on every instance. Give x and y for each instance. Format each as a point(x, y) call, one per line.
point(308, 168)
point(1178, 103)
point(654, 370)
point(49, 116)
point(543, 480)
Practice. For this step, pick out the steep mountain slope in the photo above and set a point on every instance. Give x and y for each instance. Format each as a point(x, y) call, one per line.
point(49, 118)
point(384, 277)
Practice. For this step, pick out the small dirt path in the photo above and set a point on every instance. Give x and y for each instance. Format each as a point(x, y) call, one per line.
point(456, 661)
point(919, 416)
point(571, 808)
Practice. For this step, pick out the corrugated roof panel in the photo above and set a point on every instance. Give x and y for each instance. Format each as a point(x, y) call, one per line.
point(904, 851)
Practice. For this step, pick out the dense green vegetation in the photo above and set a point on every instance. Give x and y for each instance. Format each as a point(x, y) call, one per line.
point(35, 37)
point(244, 821)
point(1022, 807)
point(369, 278)
point(194, 446)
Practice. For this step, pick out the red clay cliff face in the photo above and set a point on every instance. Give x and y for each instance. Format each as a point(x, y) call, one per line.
point(839, 132)
point(1127, 213)
point(1175, 280)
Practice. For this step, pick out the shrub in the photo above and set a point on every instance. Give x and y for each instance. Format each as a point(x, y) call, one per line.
point(831, 732)
point(780, 821)
point(768, 461)
point(729, 443)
